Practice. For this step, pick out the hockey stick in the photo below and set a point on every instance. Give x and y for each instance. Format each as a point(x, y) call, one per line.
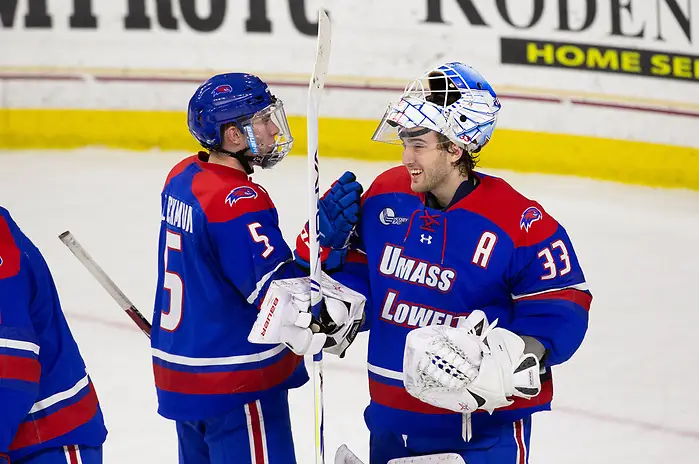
point(104, 280)
point(315, 89)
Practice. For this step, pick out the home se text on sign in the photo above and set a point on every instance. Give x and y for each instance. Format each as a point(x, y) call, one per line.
point(591, 57)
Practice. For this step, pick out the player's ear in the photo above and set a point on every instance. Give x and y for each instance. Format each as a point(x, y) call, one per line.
point(455, 152)
point(232, 135)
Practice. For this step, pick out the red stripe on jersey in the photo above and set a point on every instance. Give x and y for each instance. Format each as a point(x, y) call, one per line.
point(256, 433)
point(9, 253)
point(58, 423)
point(519, 438)
point(398, 398)
point(179, 167)
point(546, 396)
point(578, 297)
point(16, 368)
point(219, 383)
point(72, 452)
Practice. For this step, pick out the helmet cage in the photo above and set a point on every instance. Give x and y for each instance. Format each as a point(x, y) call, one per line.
point(443, 101)
point(267, 134)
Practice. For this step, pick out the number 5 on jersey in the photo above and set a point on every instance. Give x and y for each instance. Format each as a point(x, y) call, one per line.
point(170, 320)
point(260, 238)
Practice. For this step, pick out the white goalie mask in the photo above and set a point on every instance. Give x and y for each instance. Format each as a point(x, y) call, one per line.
point(452, 99)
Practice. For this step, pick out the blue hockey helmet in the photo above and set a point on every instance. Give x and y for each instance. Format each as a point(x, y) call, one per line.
point(245, 100)
point(453, 99)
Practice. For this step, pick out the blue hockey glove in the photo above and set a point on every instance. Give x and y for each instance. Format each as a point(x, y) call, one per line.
point(330, 259)
point(339, 211)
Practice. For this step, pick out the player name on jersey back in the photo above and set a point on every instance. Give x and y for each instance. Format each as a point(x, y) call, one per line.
point(177, 214)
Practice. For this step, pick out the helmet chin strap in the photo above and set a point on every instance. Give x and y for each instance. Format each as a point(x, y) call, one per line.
point(240, 156)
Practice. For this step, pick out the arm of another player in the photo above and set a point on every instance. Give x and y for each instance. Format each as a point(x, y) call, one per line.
point(20, 370)
point(550, 296)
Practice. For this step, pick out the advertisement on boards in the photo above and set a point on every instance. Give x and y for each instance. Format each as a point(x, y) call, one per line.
point(565, 67)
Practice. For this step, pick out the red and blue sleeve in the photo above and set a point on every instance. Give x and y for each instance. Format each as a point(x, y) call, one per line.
point(550, 296)
point(248, 242)
point(20, 370)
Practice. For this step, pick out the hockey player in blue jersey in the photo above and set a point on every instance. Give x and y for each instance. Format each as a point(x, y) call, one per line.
point(220, 251)
point(474, 291)
point(49, 412)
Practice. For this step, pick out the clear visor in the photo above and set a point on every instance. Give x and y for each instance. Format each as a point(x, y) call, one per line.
point(409, 117)
point(268, 135)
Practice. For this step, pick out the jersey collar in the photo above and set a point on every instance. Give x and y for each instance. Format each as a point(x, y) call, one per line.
point(465, 188)
point(203, 162)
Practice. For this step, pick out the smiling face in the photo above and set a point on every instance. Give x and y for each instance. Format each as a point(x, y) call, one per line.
point(429, 162)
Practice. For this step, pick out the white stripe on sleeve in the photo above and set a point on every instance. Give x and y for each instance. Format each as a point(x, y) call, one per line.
point(19, 345)
point(60, 396)
point(258, 288)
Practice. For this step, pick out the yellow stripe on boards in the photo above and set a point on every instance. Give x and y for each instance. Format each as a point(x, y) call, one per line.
point(616, 160)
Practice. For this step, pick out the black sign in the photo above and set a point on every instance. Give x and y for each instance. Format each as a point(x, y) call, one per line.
point(620, 18)
point(136, 18)
point(568, 55)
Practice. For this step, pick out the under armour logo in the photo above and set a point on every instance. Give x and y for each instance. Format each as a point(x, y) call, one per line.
point(426, 238)
point(463, 406)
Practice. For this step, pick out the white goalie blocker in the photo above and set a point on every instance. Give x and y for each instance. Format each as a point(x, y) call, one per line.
point(345, 456)
point(473, 366)
point(285, 316)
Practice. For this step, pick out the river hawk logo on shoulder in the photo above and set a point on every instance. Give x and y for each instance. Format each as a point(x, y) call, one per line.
point(240, 193)
point(529, 216)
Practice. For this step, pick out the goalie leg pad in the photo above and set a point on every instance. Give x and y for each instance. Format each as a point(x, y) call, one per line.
point(444, 458)
point(344, 455)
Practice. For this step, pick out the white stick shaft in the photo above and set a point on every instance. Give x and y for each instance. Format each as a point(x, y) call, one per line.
point(108, 284)
point(69, 240)
point(315, 90)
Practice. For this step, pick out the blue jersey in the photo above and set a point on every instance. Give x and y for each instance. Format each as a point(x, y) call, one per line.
point(47, 400)
point(492, 249)
point(220, 248)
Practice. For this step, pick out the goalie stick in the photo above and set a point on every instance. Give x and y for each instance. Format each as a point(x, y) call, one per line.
point(315, 90)
point(108, 284)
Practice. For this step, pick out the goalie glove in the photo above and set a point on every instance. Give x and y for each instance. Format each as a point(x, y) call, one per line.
point(473, 366)
point(341, 317)
point(285, 317)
